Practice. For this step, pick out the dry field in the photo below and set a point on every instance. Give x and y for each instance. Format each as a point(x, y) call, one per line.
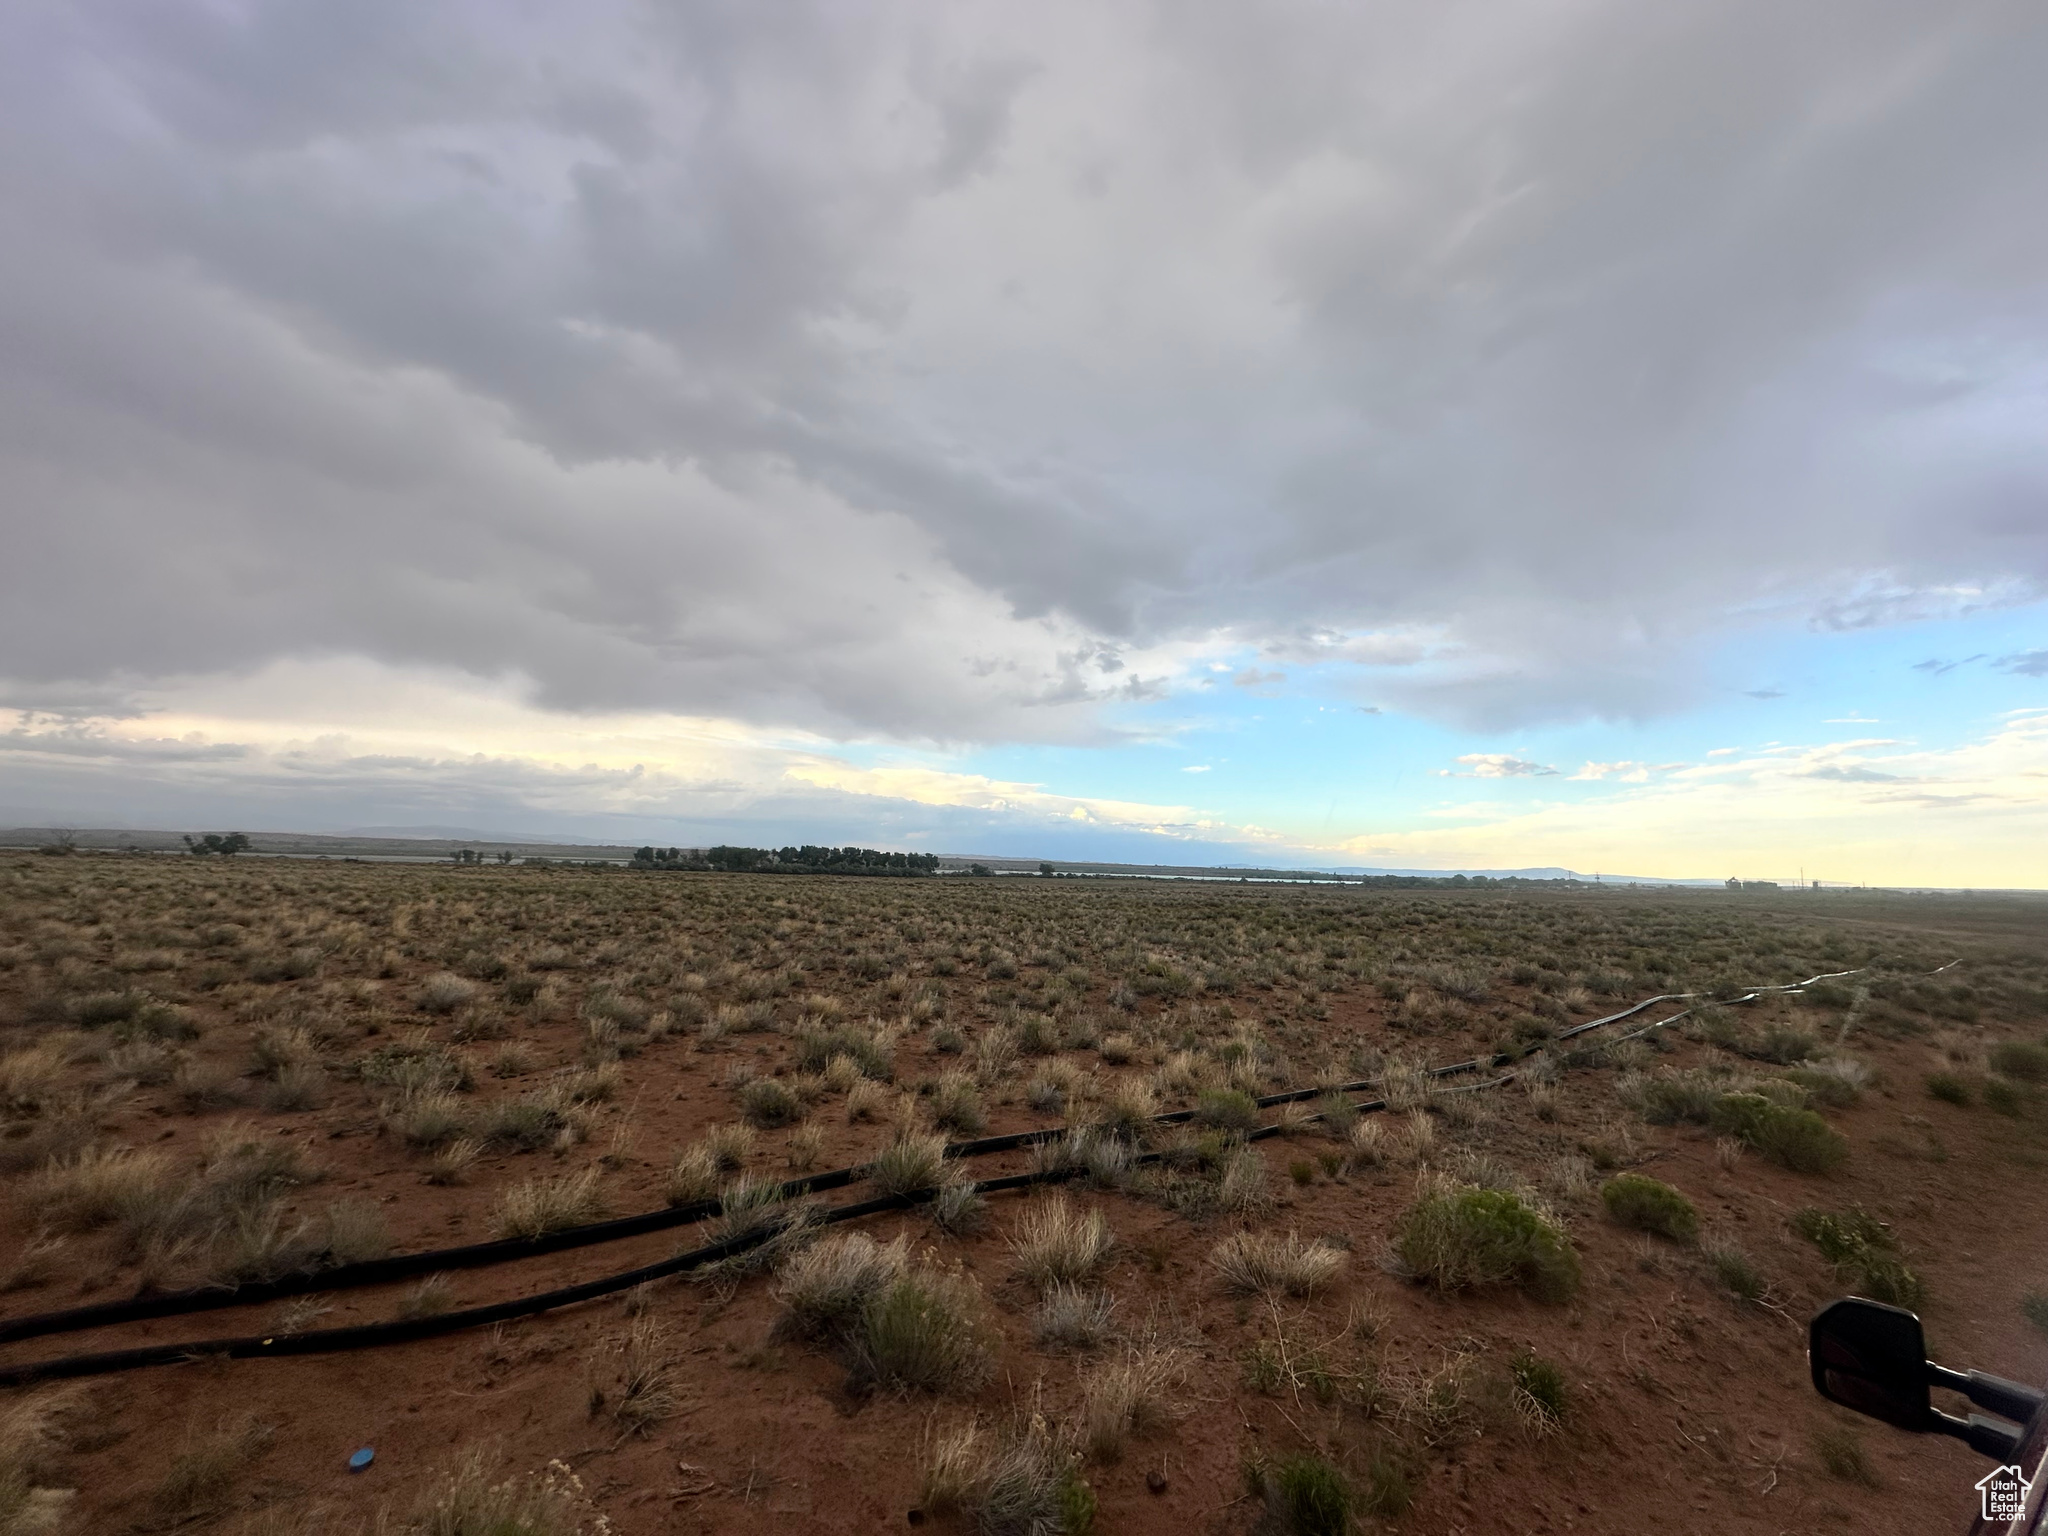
point(1563, 1293)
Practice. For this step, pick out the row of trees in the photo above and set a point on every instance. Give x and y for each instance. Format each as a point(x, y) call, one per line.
point(809, 859)
point(216, 842)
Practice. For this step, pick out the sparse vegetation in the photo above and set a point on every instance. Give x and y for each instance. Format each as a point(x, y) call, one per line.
point(923, 1332)
point(1457, 1238)
point(1257, 1263)
point(1863, 1249)
point(191, 1047)
point(1057, 1244)
point(1840, 1452)
point(1736, 1271)
point(1537, 1392)
point(473, 1498)
point(1797, 1139)
point(1305, 1495)
point(541, 1206)
point(1636, 1200)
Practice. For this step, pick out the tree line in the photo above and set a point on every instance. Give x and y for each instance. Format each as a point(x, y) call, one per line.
point(807, 859)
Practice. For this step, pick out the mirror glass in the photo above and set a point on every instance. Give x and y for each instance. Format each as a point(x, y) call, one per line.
point(1871, 1358)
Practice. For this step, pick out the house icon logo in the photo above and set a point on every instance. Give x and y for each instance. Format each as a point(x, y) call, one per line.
point(2005, 1493)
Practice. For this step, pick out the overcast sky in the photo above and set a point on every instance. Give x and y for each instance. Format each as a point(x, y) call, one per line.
point(1423, 433)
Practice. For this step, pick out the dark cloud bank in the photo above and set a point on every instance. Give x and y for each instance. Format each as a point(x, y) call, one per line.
point(900, 370)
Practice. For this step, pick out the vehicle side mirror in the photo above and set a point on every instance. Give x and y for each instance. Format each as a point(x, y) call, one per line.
point(1871, 1358)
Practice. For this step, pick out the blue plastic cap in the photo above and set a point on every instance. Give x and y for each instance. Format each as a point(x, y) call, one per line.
point(361, 1459)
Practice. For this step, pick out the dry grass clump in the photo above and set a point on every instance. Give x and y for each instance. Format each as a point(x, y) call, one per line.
point(1538, 1393)
point(540, 1206)
point(32, 1432)
point(956, 1104)
point(1405, 1083)
point(429, 1118)
point(471, 1499)
point(202, 1475)
point(729, 1146)
point(768, 1102)
point(1072, 1317)
point(1258, 1263)
point(913, 1162)
point(99, 1187)
point(1023, 1482)
point(825, 1288)
point(299, 1085)
point(1056, 1244)
point(643, 1389)
point(452, 1162)
point(1128, 1109)
point(28, 1077)
point(1129, 1395)
point(523, 1124)
point(959, 1208)
point(1365, 1144)
point(444, 992)
point(692, 1177)
point(922, 1329)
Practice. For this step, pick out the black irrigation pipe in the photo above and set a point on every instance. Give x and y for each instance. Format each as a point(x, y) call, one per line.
point(384, 1271)
point(329, 1341)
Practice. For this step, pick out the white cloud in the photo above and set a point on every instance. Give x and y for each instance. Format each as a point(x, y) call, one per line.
point(1496, 765)
point(405, 746)
point(893, 371)
point(1629, 772)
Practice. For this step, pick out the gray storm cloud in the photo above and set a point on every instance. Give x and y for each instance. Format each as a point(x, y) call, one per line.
point(882, 369)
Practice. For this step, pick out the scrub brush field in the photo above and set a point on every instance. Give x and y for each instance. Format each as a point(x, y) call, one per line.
point(649, 1200)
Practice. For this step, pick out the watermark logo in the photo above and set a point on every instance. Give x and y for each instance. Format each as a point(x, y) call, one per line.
point(2005, 1491)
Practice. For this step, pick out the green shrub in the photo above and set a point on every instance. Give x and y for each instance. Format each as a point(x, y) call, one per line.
point(2005, 1097)
point(1781, 1045)
point(1834, 1088)
point(1538, 1390)
point(1735, 1270)
point(1470, 1237)
point(923, 1333)
point(1310, 1496)
point(1227, 1109)
point(1863, 1248)
point(1683, 1096)
point(1638, 1201)
point(2022, 1059)
point(1797, 1139)
point(2034, 1308)
point(1948, 1088)
point(1388, 1492)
